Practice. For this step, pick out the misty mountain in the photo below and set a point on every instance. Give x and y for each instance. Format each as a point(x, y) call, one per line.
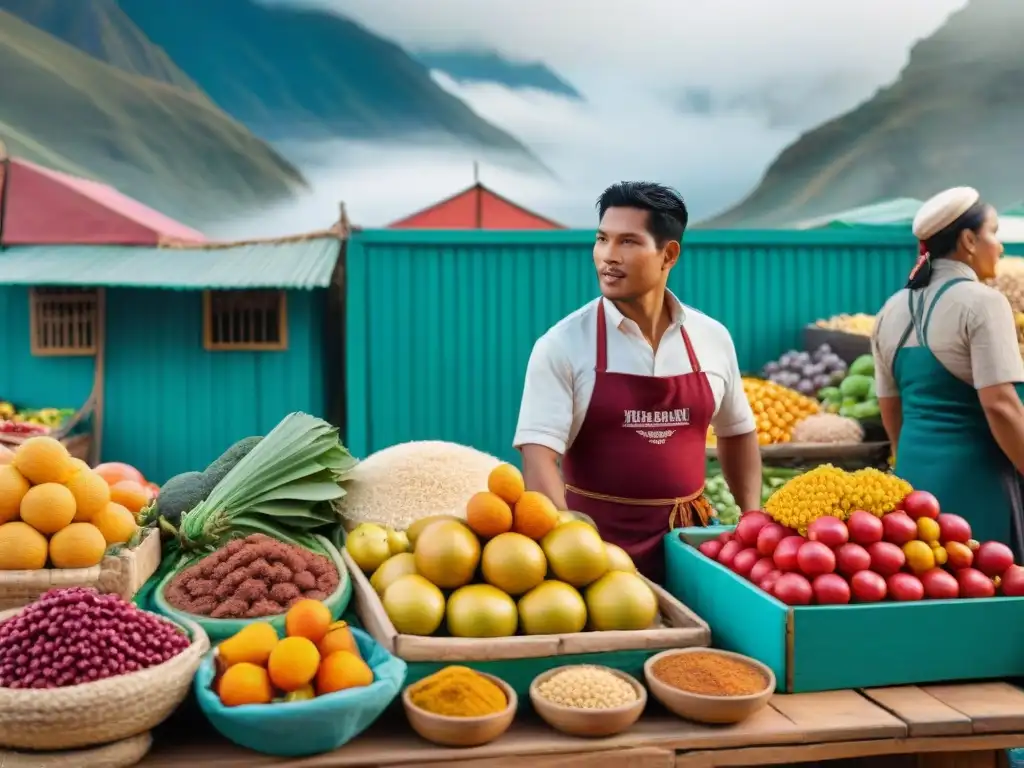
point(297, 73)
point(138, 125)
point(466, 66)
point(952, 117)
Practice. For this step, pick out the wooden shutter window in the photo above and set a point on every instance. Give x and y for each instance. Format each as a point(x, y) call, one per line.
point(63, 321)
point(245, 321)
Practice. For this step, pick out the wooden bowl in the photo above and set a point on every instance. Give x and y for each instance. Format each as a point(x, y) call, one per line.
point(588, 722)
point(462, 731)
point(713, 710)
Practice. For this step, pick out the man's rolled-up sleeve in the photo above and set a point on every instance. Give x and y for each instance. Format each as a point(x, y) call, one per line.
point(545, 413)
point(735, 416)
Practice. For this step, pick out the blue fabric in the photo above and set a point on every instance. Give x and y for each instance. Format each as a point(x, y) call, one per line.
point(300, 728)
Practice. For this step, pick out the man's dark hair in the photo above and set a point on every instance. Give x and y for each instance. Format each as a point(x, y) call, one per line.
point(667, 216)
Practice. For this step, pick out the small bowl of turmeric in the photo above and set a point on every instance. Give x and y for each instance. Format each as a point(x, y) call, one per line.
point(709, 686)
point(460, 707)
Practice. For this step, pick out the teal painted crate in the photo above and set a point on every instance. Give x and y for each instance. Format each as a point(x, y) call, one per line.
point(822, 648)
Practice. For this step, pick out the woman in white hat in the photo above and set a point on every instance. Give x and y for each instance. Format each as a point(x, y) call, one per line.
point(947, 367)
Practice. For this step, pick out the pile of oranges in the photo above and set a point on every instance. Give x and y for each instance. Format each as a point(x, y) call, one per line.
point(316, 657)
point(506, 506)
point(777, 409)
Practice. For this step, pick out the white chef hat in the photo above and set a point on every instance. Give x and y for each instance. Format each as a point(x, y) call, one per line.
point(942, 210)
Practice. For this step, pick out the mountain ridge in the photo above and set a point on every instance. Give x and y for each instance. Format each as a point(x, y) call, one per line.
point(488, 66)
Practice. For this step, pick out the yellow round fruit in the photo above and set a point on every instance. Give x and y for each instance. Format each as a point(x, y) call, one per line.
point(13, 487)
point(48, 507)
point(621, 601)
point(552, 608)
point(368, 546)
point(920, 556)
point(506, 482)
point(619, 559)
point(398, 542)
point(928, 530)
point(413, 531)
point(43, 460)
point(447, 554)
point(480, 610)
point(116, 523)
point(91, 492)
point(80, 545)
point(22, 547)
point(414, 605)
point(513, 563)
point(395, 567)
point(576, 553)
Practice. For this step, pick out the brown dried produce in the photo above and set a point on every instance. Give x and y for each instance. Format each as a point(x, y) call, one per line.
point(315, 594)
point(202, 587)
point(304, 581)
point(285, 593)
point(279, 574)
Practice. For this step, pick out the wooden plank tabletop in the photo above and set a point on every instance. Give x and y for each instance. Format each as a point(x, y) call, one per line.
point(934, 715)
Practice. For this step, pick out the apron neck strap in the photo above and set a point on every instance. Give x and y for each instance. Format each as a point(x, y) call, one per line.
point(602, 343)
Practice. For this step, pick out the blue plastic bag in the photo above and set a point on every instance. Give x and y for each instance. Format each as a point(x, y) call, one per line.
point(311, 727)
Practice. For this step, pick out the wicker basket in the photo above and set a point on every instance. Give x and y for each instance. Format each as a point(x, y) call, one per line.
point(120, 754)
point(97, 713)
point(122, 574)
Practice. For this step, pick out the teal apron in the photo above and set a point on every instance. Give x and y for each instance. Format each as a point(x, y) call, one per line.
point(945, 445)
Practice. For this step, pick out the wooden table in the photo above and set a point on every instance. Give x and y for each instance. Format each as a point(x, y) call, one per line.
point(946, 726)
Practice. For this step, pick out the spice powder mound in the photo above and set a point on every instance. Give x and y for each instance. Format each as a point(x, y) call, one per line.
point(709, 674)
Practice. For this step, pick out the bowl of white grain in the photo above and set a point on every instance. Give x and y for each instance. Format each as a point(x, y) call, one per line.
point(588, 700)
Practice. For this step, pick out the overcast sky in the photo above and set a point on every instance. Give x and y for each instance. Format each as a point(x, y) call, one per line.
point(775, 68)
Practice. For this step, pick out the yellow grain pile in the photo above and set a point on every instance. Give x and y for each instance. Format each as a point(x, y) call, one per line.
point(1009, 281)
point(399, 485)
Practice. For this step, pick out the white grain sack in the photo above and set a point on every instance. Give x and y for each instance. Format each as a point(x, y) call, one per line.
point(399, 485)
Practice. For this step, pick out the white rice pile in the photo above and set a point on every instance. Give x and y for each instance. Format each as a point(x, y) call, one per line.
point(399, 485)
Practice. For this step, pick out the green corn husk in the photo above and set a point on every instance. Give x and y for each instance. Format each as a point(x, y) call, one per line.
point(285, 487)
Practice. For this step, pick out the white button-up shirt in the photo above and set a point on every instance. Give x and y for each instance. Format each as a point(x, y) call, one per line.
point(560, 375)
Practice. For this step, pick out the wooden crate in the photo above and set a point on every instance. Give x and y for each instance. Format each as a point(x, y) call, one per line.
point(833, 647)
point(681, 628)
point(122, 574)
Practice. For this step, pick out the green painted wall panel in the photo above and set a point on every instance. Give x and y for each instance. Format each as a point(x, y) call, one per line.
point(440, 324)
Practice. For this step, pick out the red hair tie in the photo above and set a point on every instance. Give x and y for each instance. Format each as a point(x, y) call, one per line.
point(922, 257)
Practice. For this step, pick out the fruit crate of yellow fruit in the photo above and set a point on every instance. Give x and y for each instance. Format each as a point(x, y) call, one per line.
point(512, 587)
point(60, 528)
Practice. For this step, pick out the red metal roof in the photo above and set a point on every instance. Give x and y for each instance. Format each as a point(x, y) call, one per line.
point(45, 207)
point(475, 208)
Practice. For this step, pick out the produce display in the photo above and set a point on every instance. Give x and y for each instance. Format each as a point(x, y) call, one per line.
point(458, 691)
point(184, 492)
point(541, 572)
point(24, 421)
point(709, 674)
point(806, 372)
point(912, 553)
point(777, 409)
point(76, 635)
point(250, 578)
point(317, 657)
point(1009, 281)
point(56, 511)
point(858, 324)
point(717, 491)
point(855, 394)
point(829, 491)
point(587, 687)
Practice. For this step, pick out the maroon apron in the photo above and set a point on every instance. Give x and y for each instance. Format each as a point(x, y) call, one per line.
point(637, 465)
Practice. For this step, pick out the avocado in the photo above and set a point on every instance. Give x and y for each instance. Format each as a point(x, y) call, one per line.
point(856, 386)
point(863, 366)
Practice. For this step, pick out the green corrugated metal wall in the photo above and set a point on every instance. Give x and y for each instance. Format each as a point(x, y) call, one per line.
point(440, 324)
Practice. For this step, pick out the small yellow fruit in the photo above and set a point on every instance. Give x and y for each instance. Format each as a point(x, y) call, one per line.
point(13, 487)
point(79, 545)
point(244, 684)
point(116, 523)
point(43, 460)
point(252, 644)
point(920, 556)
point(91, 492)
point(48, 507)
point(928, 530)
point(293, 663)
point(22, 547)
point(506, 482)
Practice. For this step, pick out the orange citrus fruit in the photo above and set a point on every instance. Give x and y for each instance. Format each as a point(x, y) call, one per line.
point(488, 514)
point(506, 482)
point(338, 638)
point(309, 619)
point(244, 683)
point(535, 515)
point(342, 670)
point(293, 663)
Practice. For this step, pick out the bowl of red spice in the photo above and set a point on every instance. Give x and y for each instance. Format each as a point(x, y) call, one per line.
point(709, 686)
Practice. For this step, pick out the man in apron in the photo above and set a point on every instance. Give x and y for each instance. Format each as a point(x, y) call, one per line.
point(948, 367)
point(619, 395)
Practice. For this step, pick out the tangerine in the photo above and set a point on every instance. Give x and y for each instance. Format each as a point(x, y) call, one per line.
point(292, 663)
point(488, 514)
point(48, 507)
point(91, 492)
point(116, 523)
point(338, 638)
point(506, 482)
point(309, 619)
point(342, 670)
point(244, 683)
point(131, 495)
point(535, 515)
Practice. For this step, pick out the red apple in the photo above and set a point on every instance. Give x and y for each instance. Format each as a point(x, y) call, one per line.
point(710, 548)
point(899, 528)
point(958, 555)
point(953, 528)
point(939, 585)
point(814, 558)
point(785, 553)
point(905, 587)
point(851, 558)
point(750, 525)
point(864, 528)
point(993, 558)
point(830, 589)
point(761, 568)
point(744, 561)
point(769, 537)
point(1013, 581)
point(886, 558)
point(921, 504)
point(768, 582)
point(793, 589)
point(867, 587)
point(729, 550)
point(974, 583)
point(830, 531)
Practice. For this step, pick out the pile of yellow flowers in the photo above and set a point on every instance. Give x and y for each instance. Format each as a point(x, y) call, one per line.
point(828, 490)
